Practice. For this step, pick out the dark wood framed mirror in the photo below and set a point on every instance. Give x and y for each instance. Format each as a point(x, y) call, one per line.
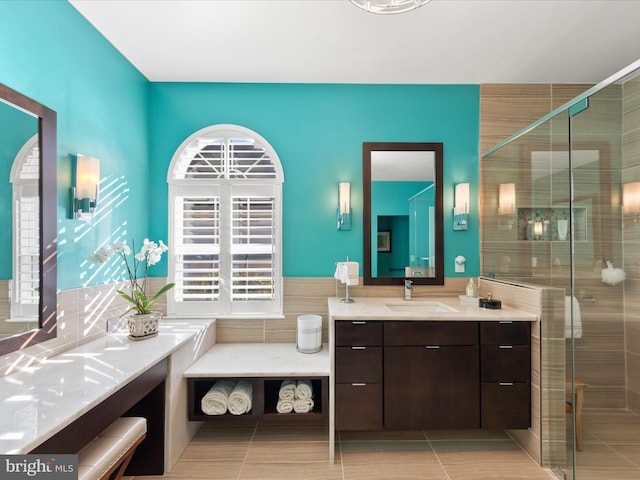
point(31, 221)
point(402, 214)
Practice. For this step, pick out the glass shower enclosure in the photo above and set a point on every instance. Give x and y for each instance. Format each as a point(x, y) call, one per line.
point(561, 209)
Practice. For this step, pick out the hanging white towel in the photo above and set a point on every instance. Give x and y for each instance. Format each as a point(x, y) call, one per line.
point(347, 272)
point(577, 320)
point(216, 400)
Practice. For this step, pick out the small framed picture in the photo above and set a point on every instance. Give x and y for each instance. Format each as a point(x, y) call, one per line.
point(384, 241)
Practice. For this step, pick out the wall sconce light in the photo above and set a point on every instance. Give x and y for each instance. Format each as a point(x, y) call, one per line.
point(461, 207)
point(344, 206)
point(84, 195)
point(506, 205)
point(538, 231)
point(631, 199)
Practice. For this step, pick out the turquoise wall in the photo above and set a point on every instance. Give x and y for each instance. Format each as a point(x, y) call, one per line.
point(50, 53)
point(108, 110)
point(23, 127)
point(317, 131)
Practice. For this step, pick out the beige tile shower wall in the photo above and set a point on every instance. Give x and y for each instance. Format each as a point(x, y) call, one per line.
point(600, 353)
point(631, 241)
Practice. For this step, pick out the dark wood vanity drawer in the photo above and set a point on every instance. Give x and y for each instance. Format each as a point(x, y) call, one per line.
point(505, 333)
point(358, 364)
point(358, 406)
point(505, 405)
point(358, 333)
point(404, 333)
point(505, 363)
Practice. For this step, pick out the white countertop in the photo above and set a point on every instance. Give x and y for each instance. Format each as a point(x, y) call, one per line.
point(260, 360)
point(371, 308)
point(37, 403)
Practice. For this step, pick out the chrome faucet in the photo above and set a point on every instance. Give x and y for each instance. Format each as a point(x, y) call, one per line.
point(408, 286)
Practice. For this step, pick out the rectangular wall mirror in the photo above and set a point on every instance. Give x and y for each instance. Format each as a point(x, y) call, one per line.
point(28, 165)
point(403, 225)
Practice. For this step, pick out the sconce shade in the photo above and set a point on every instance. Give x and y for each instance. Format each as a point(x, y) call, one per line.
point(631, 198)
point(344, 195)
point(85, 192)
point(87, 176)
point(461, 199)
point(507, 199)
point(344, 206)
point(461, 207)
point(537, 229)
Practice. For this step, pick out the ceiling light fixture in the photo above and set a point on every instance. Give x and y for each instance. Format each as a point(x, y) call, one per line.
point(386, 7)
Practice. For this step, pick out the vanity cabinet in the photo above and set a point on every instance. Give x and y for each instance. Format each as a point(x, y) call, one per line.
point(431, 375)
point(358, 375)
point(505, 374)
point(415, 375)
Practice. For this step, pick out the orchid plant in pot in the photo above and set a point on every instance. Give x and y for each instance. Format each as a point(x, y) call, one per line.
point(142, 319)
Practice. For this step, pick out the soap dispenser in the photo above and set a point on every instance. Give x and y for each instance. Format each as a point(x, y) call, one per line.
point(471, 289)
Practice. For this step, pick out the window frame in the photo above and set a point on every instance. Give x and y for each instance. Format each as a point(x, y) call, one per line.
point(226, 188)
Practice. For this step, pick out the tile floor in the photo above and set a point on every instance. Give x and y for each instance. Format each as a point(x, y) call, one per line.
point(272, 451)
point(610, 446)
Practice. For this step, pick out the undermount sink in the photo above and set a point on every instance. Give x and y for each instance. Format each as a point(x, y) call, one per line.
point(421, 307)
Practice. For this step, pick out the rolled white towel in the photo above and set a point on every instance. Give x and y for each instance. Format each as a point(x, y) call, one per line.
point(304, 390)
point(284, 406)
point(287, 390)
point(240, 398)
point(302, 405)
point(216, 400)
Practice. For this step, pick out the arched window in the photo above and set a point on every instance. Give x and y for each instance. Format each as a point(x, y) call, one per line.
point(25, 174)
point(225, 225)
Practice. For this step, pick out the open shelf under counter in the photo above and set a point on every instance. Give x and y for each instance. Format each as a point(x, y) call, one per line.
point(265, 365)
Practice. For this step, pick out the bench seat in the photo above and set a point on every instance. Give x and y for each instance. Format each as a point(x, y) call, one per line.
point(107, 455)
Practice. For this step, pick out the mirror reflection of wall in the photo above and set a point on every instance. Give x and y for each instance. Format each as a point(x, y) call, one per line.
point(19, 272)
point(422, 243)
point(402, 203)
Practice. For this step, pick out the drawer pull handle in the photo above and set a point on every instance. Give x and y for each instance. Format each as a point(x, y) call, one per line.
point(358, 348)
point(505, 346)
point(508, 322)
point(358, 323)
point(505, 384)
point(433, 346)
point(358, 384)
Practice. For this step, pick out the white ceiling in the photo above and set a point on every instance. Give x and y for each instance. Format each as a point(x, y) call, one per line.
point(332, 41)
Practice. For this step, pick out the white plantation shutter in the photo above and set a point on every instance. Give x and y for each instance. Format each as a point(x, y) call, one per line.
point(225, 225)
point(196, 248)
point(25, 172)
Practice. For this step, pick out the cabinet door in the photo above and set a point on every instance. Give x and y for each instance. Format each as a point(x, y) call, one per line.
point(358, 364)
point(505, 333)
point(431, 387)
point(506, 405)
point(358, 406)
point(505, 363)
point(401, 333)
point(358, 332)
